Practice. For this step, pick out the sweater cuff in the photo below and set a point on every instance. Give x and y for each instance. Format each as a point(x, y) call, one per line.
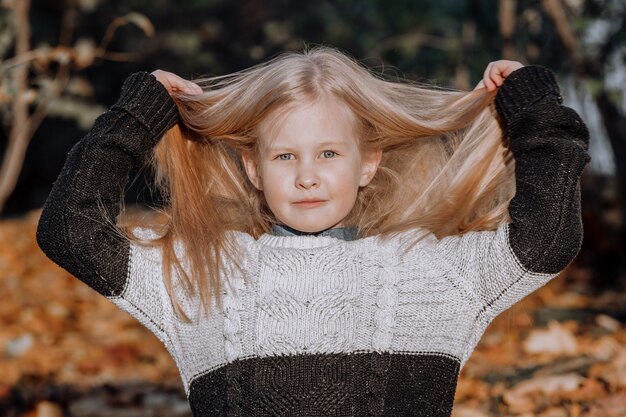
point(147, 100)
point(523, 88)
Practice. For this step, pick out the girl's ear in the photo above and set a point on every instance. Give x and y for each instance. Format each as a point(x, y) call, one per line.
point(252, 169)
point(370, 163)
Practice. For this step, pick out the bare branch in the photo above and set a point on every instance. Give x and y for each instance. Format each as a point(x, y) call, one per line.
point(556, 10)
point(78, 56)
point(506, 16)
point(18, 136)
point(68, 23)
point(468, 38)
point(117, 56)
point(58, 53)
point(413, 40)
point(54, 91)
point(138, 19)
point(62, 55)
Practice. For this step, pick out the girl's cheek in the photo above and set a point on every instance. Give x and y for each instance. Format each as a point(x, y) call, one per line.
point(276, 175)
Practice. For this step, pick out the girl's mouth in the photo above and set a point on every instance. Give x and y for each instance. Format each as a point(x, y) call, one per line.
point(309, 203)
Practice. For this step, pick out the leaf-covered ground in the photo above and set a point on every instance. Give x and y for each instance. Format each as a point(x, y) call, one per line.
point(66, 351)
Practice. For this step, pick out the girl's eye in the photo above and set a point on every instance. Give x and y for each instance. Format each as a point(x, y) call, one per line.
point(288, 156)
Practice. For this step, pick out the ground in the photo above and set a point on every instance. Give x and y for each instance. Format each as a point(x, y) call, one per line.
point(66, 351)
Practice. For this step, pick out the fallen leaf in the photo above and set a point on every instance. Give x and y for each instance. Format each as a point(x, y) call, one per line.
point(48, 409)
point(523, 397)
point(555, 340)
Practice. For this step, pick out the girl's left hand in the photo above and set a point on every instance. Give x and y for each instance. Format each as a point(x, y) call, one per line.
point(496, 72)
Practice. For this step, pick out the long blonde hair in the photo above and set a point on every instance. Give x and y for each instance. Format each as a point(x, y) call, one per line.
point(444, 168)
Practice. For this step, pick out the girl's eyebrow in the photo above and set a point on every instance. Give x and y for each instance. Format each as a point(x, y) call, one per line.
point(333, 143)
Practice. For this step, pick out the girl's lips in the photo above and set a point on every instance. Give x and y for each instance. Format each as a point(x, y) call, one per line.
point(309, 203)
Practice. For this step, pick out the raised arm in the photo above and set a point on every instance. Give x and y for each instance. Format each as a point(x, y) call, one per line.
point(549, 143)
point(77, 225)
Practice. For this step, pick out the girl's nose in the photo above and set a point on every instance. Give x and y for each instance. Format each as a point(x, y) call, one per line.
point(307, 178)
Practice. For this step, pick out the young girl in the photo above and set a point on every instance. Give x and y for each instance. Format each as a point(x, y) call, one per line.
point(335, 243)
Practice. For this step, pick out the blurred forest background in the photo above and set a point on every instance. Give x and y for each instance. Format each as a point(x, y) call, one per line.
point(62, 63)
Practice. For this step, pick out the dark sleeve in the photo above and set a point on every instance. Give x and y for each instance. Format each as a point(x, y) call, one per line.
point(77, 226)
point(549, 143)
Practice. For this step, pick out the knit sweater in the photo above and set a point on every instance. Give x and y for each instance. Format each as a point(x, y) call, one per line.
point(320, 326)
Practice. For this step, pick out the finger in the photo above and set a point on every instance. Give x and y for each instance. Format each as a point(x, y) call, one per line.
point(185, 86)
point(496, 74)
point(506, 68)
point(512, 66)
point(190, 89)
point(487, 78)
point(194, 88)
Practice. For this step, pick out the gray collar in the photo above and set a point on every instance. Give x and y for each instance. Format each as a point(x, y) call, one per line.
point(343, 233)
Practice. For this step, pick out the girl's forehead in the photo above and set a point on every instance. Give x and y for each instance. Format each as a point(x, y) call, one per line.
point(327, 114)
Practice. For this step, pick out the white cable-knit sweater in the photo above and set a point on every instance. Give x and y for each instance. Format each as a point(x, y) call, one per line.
point(315, 325)
point(314, 295)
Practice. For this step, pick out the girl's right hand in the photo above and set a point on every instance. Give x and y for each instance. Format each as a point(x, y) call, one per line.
point(496, 72)
point(175, 84)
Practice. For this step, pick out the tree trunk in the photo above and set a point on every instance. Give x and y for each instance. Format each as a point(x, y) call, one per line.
point(615, 125)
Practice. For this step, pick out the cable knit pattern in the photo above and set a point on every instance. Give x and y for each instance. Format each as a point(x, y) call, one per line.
point(306, 301)
point(386, 300)
point(316, 325)
point(232, 323)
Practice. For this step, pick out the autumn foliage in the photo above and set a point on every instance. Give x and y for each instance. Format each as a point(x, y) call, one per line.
point(558, 353)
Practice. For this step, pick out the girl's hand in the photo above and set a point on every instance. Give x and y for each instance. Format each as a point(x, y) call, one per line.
point(175, 84)
point(496, 72)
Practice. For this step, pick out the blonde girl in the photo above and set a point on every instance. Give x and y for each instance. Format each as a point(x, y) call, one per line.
point(334, 243)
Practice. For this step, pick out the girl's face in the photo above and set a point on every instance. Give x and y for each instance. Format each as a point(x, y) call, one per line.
point(310, 167)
